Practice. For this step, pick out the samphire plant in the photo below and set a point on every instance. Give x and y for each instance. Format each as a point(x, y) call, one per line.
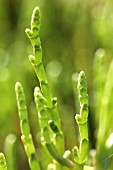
point(52, 137)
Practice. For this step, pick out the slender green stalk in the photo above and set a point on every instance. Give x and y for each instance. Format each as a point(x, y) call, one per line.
point(100, 72)
point(25, 129)
point(80, 154)
point(106, 112)
point(10, 151)
point(105, 122)
point(3, 164)
point(36, 59)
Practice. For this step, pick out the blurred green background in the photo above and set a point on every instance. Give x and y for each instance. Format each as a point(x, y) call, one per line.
point(71, 32)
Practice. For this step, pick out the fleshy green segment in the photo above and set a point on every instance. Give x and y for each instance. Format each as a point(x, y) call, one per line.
point(36, 58)
point(22, 108)
point(3, 165)
point(30, 151)
point(25, 129)
point(81, 119)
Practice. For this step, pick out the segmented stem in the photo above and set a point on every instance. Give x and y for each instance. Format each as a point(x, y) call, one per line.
point(81, 119)
point(36, 58)
point(25, 129)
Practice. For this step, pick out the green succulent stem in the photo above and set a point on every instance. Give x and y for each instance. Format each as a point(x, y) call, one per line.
point(10, 150)
point(100, 72)
point(80, 154)
point(30, 151)
point(46, 105)
point(105, 122)
point(25, 129)
point(36, 58)
point(106, 105)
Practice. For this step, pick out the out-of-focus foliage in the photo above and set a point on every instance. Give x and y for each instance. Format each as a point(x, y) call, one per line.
point(71, 31)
